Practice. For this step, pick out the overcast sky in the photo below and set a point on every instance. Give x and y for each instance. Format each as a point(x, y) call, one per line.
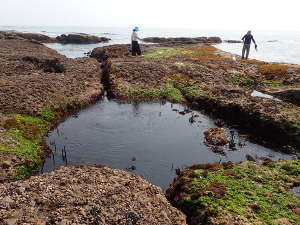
point(230, 14)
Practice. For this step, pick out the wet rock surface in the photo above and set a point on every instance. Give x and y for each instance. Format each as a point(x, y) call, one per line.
point(86, 195)
point(216, 136)
point(80, 38)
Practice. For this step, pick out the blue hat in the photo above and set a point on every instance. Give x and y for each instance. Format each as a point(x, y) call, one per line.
point(136, 28)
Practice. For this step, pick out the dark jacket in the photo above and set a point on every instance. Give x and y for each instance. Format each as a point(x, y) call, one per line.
point(247, 39)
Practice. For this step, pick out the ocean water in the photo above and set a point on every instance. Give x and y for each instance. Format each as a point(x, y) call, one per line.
point(273, 46)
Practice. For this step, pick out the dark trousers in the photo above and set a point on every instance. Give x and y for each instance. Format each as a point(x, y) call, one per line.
point(136, 50)
point(246, 49)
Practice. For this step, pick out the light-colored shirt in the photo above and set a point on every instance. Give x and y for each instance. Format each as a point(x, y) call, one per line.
point(134, 36)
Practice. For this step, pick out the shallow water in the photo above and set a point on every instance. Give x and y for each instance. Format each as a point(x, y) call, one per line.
point(149, 139)
point(296, 191)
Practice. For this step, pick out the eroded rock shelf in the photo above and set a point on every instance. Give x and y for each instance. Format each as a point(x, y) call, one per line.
point(39, 87)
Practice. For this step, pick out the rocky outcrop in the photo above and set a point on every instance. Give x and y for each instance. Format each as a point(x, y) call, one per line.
point(39, 82)
point(33, 76)
point(216, 136)
point(28, 36)
point(115, 51)
point(245, 193)
point(182, 40)
point(86, 195)
point(80, 38)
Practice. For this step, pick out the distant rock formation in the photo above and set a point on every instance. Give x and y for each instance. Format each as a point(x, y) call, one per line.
point(28, 36)
point(80, 38)
point(233, 41)
point(183, 40)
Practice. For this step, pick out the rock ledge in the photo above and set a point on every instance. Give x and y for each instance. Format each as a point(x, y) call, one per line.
point(86, 195)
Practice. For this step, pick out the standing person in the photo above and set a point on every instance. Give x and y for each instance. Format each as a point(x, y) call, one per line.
point(136, 50)
point(247, 43)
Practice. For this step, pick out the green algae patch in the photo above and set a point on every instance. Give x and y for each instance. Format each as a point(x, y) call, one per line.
point(194, 92)
point(27, 133)
point(188, 87)
point(247, 193)
point(169, 93)
point(274, 83)
point(26, 136)
point(48, 114)
point(168, 52)
point(242, 81)
point(203, 53)
point(23, 172)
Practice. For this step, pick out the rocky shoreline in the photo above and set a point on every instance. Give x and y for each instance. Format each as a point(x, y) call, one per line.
point(39, 87)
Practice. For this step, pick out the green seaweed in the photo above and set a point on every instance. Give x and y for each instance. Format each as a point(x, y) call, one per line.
point(27, 132)
point(254, 191)
point(194, 91)
point(168, 52)
point(274, 83)
point(170, 93)
point(23, 172)
point(243, 81)
point(48, 114)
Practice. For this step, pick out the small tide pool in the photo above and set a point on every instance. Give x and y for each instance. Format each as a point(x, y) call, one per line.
point(149, 139)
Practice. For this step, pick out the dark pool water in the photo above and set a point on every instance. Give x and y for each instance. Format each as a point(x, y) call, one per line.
point(296, 191)
point(149, 139)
